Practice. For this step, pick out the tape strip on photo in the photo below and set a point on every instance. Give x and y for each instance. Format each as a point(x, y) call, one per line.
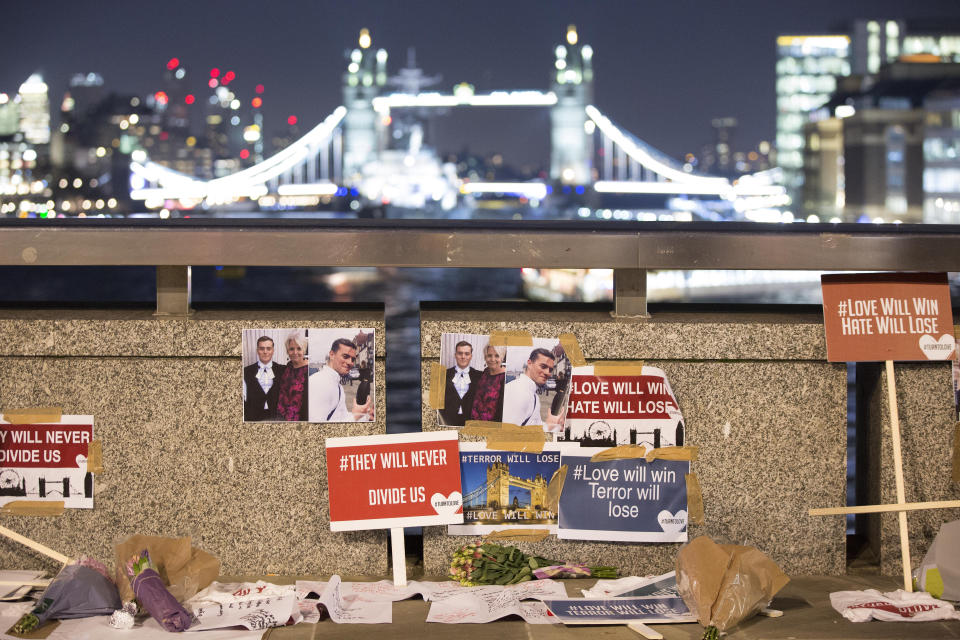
point(33, 508)
point(555, 488)
point(438, 379)
point(572, 348)
point(956, 452)
point(511, 339)
point(519, 535)
point(507, 437)
point(626, 451)
point(695, 513)
point(33, 415)
point(95, 457)
point(618, 368)
point(622, 452)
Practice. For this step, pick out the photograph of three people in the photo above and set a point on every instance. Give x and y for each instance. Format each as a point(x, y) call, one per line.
point(308, 375)
point(520, 385)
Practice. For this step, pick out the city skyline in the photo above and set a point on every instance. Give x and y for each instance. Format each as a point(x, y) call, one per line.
point(663, 73)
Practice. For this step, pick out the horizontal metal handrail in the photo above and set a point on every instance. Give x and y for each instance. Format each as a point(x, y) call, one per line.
point(446, 243)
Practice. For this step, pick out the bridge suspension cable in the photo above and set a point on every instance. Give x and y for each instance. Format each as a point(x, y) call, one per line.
point(249, 182)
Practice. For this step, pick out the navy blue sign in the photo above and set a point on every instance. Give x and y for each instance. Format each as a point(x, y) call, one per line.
point(620, 610)
point(626, 500)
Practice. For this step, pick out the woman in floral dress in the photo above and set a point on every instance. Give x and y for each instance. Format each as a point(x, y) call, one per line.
point(292, 400)
point(488, 401)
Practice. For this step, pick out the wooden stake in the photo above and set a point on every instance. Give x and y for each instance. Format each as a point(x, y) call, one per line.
point(645, 631)
point(36, 546)
point(399, 557)
point(898, 476)
point(886, 508)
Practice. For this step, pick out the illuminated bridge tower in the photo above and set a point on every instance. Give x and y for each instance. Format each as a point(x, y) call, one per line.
point(498, 485)
point(366, 74)
point(571, 145)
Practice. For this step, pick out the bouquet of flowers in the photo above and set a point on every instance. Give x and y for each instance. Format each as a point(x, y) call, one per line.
point(152, 594)
point(489, 563)
point(80, 590)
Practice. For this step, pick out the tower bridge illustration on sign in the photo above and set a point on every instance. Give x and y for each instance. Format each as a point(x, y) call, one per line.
point(491, 502)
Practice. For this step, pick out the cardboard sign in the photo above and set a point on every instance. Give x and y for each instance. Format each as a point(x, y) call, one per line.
point(611, 410)
point(650, 609)
point(47, 462)
point(887, 316)
point(628, 500)
point(398, 480)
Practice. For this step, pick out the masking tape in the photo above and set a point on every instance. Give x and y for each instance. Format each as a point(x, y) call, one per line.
point(95, 457)
point(956, 452)
point(673, 453)
point(618, 368)
point(523, 535)
point(499, 443)
point(555, 488)
point(511, 339)
point(506, 436)
point(32, 508)
point(438, 380)
point(695, 513)
point(34, 415)
point(620, 453)
point(626, 451)
point(572, 348)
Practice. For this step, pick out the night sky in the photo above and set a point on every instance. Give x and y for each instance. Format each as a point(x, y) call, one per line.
point(663, 69)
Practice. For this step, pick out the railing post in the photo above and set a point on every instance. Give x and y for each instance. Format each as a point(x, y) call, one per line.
point(630, 293)
point(173, 291)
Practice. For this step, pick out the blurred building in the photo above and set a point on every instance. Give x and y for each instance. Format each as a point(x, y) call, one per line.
point(9, 115)
point(809, 68)
point(35, 111)
point(886, 147)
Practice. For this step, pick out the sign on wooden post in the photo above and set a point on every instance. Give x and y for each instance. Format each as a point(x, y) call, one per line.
point(887, 317)
point(394, 481)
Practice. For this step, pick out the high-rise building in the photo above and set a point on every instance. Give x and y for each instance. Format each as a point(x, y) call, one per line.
point(887, 147)
point(9, 115)
point(941, 158)
point(807, 71)
point(35, 110)
point(808, 68)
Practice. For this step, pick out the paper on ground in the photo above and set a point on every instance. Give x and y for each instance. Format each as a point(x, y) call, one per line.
point(254, 605)
point(486, 606)
point(386, 591)
point(892, 606)
point(13, 591)
point(633, 587)
point(98, 628)
point(606, 588)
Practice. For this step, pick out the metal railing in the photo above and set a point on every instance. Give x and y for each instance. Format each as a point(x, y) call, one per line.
point(630, 249)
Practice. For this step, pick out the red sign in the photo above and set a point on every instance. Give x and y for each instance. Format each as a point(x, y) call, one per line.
point(623, 397)
point(872, 317)
point(46, 446)
point(397, 480)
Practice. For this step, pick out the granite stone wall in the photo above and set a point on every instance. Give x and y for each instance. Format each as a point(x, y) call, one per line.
point(925, 405)
point(759, 399)
point(178, 459)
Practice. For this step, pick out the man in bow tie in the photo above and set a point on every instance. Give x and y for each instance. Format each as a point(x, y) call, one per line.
point(260, 391)
point(461, 387)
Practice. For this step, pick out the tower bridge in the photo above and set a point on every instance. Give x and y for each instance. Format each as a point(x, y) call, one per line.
point(353, 152)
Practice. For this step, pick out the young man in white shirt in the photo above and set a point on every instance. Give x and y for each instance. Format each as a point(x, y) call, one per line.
point(328, 402)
